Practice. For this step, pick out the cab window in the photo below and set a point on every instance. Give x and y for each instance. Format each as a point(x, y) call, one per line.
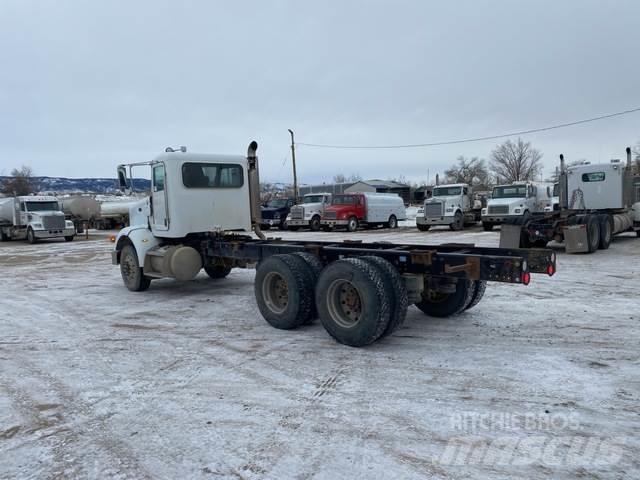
point(593, 177)
point(212, 175)
point(158, 178)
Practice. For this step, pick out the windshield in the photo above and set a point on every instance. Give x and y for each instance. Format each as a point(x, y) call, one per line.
point(556, 190)
point(510, 191)
point(313, 199)
point(344, 200)
point(446, 191)
point(279, 203)
point(42, 206)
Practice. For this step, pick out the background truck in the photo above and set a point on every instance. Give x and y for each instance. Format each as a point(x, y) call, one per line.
point(33, 218)
point(275, 211)
point(452, 205)
point(364, 209)
point(516, 201)
point(309, 213)
point(596, 202)
point(360, 291)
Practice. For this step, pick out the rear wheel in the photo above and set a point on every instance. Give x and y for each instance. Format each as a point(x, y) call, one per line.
point(606, 230)
point(423, 228)
point(458, 222)
point(398, 298)
point(131, 272)
point(3, 236)
point(31, 236)
point(217, 271)
point(479, 287)
point(438, 304)
point(487, 226)
point(593, 232)
point(393, 222)
point(353, 302)
point(68, 238)
point(284, 291)
point(352, 224)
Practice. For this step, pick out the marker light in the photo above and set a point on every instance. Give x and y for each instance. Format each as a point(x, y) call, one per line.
point(526, 278)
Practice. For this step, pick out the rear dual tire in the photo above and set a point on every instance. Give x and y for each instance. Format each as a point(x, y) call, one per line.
point(436, 304)
point(423, 228)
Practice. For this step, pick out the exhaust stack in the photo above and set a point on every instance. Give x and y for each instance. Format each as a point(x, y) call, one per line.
point(563, 197)
point(254, 189)
point(628, 158)
point(437, 179)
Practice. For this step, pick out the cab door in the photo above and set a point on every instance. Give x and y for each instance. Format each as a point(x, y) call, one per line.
point(160, 218)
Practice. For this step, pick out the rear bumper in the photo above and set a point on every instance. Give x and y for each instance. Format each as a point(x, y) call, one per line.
point(496, 219)
point(58, 233)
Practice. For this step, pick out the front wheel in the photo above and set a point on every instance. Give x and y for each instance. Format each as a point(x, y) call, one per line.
point(132, 274)
point(423, 228)
point(352, 224)
point(217, 271)
point(315, 223)
point(31, 236)
point(69, 238)
point(458, 222)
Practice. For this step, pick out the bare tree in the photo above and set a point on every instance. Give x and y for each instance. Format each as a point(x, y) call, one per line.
point(515, 161)
point(20, 182)
point(470, 171)
point(342, 178)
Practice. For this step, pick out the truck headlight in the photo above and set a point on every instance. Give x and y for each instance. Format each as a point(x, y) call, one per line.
point(517, 210)
point(484, 211)
point(449, 209)
point(288, 217)
point(420, 211)
point(36, 225)
point(69, 224)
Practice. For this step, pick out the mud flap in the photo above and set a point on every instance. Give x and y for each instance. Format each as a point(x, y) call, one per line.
point(576, 239)
point(510, 235)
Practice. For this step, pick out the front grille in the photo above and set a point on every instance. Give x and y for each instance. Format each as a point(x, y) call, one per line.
point(297, 213)
point(433, 209)
point(53, 222)
point(498, 209)
point(331, 215)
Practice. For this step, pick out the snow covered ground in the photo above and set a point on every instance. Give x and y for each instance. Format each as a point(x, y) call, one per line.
point(188, 381)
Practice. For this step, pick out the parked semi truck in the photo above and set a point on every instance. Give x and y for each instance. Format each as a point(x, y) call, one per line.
point(596, 202)
point(519, 200)
point(33, 218)
point(453, 204)
point(360, 291)
point(353, 210)
point(309, 213)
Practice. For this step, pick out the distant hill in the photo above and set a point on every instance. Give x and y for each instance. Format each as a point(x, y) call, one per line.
point(88, 185)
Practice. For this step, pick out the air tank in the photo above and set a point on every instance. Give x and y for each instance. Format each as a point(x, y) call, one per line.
point(83, 208)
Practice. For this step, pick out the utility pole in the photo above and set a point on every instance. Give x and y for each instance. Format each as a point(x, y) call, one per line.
point(293, 161)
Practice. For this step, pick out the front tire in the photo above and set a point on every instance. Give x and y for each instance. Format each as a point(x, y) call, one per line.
point(132, 274)
point(352, 224)
point(487, 226)
point(315, 223)
point(393, 222)
point(69, 238)
point(31, 236)
point(458, 222)
point(423, 228)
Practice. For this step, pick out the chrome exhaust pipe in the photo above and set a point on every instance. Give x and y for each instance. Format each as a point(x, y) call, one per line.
point(254, 189)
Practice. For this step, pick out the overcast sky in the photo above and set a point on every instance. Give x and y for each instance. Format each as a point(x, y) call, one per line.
point(86, 85)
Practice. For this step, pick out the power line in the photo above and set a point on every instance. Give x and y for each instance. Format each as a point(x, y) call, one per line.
point(476, 139)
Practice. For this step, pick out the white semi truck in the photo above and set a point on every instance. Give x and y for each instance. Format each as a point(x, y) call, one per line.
point(203, 210)
point(33, 218)
point(452, 205)
point(309, 213)
point(596, 202)
point(519, 200)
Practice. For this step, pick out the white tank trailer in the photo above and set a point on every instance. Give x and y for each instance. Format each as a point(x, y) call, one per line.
point(81, 210)
point(113, 214)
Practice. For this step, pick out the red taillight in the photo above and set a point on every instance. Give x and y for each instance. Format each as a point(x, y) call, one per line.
point(551, 270)
point(526, 278)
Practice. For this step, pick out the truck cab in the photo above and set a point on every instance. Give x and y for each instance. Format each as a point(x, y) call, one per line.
point(520, 199)
point(451, 204)
point(309, 212)
point(351, 210)
point(275, 212)
point(33, 218)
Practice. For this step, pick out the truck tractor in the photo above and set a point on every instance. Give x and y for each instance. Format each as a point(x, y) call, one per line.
point(33, 218)
point(275, 212)
point(309, 213)
point(516, 201)
point(203, 212)
point(596, 202)
point(452, 205)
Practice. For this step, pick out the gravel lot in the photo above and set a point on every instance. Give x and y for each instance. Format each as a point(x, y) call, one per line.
point(188, 381)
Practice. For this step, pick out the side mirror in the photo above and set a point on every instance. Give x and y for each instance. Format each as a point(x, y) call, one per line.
point(123, 182)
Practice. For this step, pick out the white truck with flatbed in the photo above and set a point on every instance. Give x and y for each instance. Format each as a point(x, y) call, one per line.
point(360, 291)
point(453, 205)
point(596, 202)
point(518, 200)
point(33, 218)
point(308, 214)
